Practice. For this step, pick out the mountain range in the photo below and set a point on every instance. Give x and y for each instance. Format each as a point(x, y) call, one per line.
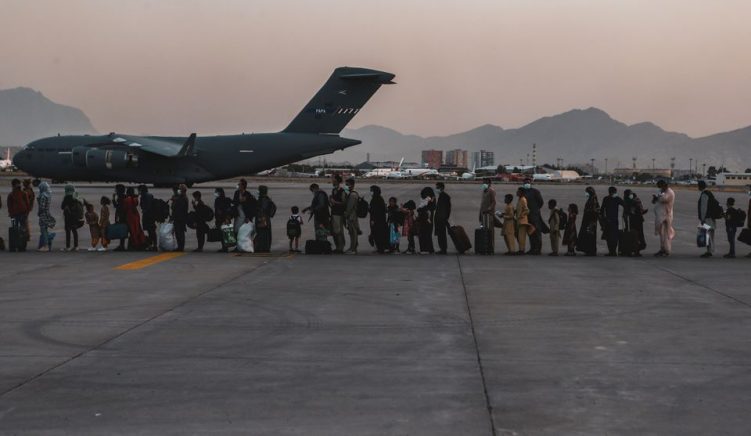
point(575, 136)
point(26, 114)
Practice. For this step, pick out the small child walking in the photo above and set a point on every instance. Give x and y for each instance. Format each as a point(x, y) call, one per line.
point(294, 229)
point(395, 221)
point(92, 219)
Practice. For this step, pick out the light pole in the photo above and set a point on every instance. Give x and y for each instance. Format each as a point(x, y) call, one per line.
point(606, 166)
point(592, 166)
point(690, 167)
point(653, 166)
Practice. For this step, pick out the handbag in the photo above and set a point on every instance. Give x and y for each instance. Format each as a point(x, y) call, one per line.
point(702, 238)
point(531, 229)
point(117, 231)
point(745, 236)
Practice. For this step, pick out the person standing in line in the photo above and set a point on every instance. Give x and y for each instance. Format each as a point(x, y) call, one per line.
point(731, 226)
point(633, 219)
point(92, 219)
point(29, 191)
point(337, 202)
point(202, 226)
point(19, 207)
point(180, 215)
point(245, 204)
point(378, 228)
point(554, 223)
point(707, 204)
point(408, 225)
point(73, 216)
point(748, 214)
point(224, 212)
point(509, 225)
point(425, 217)
point(394, 220)
point(522, 221)
point(442, 216)
point(569, 235)
point(104, 222)
point(148, 218)
point(319, 207)
point(487, 205)
point(535, 204)
point(294, 230)
point(137, 240)
point(266, 211)
point(46, 220)
point(610, 211)
point(587, 238)
point(121, 216)
point(350, 215)
point(664, 202)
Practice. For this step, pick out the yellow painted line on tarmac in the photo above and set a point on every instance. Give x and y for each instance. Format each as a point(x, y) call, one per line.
point(149, 261)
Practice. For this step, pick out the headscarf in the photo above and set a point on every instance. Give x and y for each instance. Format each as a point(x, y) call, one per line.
point(44, 190)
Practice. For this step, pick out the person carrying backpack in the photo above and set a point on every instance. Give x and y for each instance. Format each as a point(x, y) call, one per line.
point(351, 216)
point(73, 216)
point(294, 229)
point(709, 211)
point(734, 218)
point(266, 211)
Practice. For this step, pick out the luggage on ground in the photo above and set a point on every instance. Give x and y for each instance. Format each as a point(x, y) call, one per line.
point(117, 231)
point(459, 238)
point(228, 235)
point(166, 237)
point(16, 237)
point(484, 241)
point(245, 238)
point(628, 242)
point(314, 246)
point(214, 235)
point(745, 236)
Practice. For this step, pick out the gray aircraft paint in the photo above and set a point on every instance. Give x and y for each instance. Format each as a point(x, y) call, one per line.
point(194, 159)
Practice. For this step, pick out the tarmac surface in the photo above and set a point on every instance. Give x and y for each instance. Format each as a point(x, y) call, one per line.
point(208, 343)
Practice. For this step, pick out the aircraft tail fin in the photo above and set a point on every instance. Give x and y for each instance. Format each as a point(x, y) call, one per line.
point(339, 100)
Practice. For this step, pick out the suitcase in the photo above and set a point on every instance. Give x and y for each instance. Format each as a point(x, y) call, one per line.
point(628, 242)
point(317, 247)
point(16, 237)
point(459, 238)
point(214, 235)
point(484, 241)
point(745, 236)
point(117, 231)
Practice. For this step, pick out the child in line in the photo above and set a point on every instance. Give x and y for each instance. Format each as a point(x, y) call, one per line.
point(408, 225)
point(569, 235)
point(92, 219)
point(554, 223)
point(104, 222)
point(395, 220)
point(294, 229)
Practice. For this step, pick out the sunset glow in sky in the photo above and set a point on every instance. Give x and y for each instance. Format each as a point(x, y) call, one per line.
point(227, 66)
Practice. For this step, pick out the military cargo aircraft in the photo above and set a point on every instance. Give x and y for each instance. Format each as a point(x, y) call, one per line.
point(172, 160)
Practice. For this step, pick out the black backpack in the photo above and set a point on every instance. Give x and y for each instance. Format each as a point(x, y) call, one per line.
point(739, 218)
point(160, 209)
point(294, 230)
point(562, 219)
point(714, 210)
point(205, 213)
point(362, 208)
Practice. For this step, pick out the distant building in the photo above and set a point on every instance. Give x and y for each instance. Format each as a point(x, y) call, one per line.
point(733, 179)
point(483, 158)
point(565, 175)
point(457, 158)
point(656, 172)
point(432, 158)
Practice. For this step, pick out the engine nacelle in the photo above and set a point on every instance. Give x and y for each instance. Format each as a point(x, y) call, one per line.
point(101, 159)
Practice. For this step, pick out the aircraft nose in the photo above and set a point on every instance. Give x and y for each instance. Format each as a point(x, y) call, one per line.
point(20, 160)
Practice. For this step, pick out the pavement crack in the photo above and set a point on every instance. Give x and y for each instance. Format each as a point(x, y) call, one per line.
point(130, 329)
point(702, 285)
point(477, 349)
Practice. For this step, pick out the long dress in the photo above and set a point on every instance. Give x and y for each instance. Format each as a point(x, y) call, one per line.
point(425, 226)
point(664, 219)
point(587, 238)
point(262, 240)
point(136, 239)
point(378, 228)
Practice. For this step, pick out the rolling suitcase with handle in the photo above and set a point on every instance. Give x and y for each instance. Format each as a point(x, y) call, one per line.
point(16, 236)
point(459, 238)
point(484, 241)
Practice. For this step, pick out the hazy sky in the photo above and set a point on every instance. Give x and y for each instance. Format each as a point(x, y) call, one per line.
point(225, 66)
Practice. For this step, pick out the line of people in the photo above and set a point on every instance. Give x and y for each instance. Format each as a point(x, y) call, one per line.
point(245, 220)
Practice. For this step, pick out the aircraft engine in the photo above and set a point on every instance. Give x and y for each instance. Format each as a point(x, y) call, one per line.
point(99, 159)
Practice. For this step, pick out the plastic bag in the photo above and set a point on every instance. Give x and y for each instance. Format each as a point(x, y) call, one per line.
point(245, 238)
point(167, 241)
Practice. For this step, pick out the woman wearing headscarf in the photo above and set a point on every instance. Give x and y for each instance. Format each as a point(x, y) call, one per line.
point(121, 216)
point(73, 216)
point(633, 218)
point(425, 211)
point(46, 220)
point(378, 228)
point(587, 238)
point(137, 239)
point(266, 211)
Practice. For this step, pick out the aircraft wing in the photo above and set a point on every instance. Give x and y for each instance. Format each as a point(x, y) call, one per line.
point(159, 146)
